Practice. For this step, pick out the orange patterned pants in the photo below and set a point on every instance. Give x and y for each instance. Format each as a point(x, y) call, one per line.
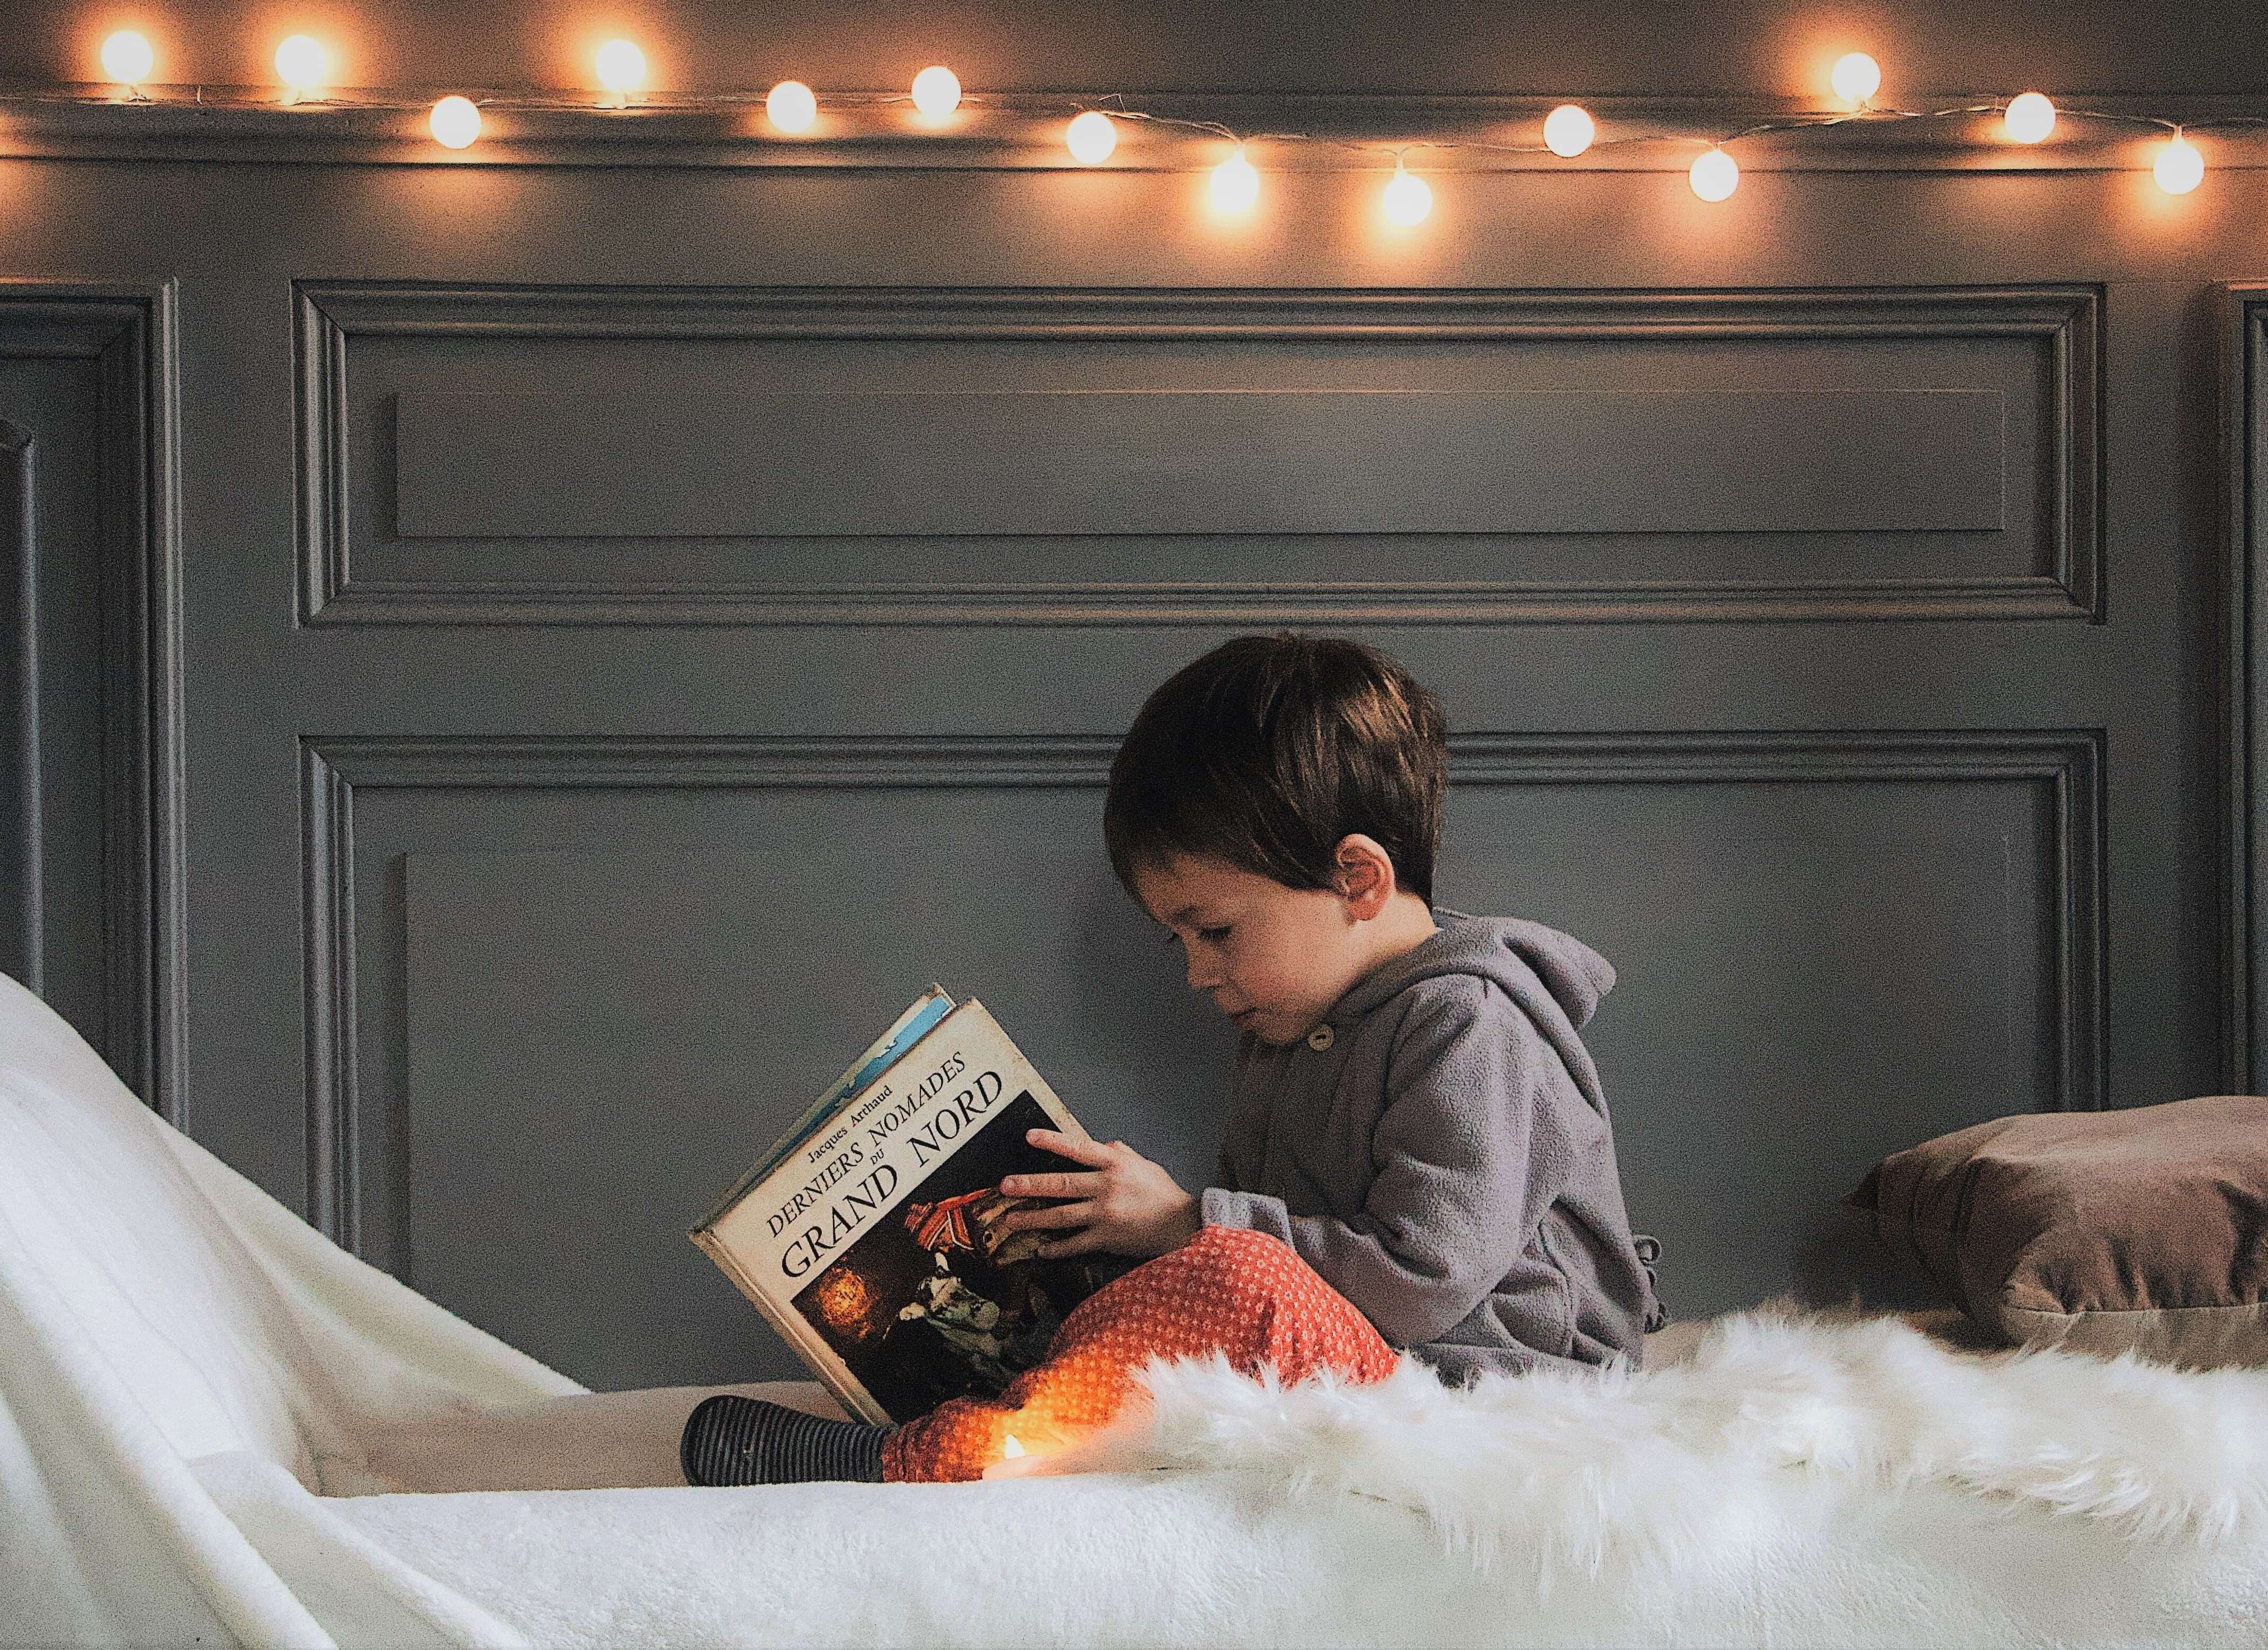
point(1226, 1290)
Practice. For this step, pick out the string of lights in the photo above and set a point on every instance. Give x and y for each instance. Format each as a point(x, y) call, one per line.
point(1091, 136)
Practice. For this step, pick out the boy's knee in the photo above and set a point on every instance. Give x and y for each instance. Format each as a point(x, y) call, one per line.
point(1234, 1249)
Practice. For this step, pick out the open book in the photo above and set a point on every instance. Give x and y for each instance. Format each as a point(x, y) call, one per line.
point(870, 1234)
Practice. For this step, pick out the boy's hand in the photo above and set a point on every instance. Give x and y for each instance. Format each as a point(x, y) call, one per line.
point(1123, 1204)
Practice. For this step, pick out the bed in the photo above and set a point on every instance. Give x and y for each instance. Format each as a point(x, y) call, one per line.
point(216, 1427)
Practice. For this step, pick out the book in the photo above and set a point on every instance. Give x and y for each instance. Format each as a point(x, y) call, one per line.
point(870, 1234)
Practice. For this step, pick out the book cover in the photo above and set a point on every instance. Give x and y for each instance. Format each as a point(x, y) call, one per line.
point(874, 1246)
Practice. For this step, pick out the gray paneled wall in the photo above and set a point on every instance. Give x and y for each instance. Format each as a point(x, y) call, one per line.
point(536, 664)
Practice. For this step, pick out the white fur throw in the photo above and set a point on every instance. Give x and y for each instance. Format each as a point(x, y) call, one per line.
point(1587, 1474)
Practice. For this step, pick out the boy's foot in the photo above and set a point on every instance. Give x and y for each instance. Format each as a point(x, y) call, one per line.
point(732, 1440)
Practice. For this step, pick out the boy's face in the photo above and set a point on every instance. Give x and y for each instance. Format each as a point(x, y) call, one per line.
point(1273, 959)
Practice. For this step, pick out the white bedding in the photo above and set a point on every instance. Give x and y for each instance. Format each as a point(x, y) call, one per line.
point(199, 1397)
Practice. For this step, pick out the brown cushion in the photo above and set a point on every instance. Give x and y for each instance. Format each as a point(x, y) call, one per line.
point(2102, 1230)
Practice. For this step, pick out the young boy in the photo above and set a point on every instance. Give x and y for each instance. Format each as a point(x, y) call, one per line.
point(1417, 1151)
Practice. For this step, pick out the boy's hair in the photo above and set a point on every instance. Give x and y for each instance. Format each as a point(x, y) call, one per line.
point(1268, 750)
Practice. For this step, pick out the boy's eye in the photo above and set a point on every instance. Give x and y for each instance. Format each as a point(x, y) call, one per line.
point(1211, 936)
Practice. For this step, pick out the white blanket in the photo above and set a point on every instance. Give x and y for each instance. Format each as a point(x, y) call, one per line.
point(208, 1414)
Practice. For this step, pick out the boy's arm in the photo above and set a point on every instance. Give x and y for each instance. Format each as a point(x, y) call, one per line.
point(1463, 1172)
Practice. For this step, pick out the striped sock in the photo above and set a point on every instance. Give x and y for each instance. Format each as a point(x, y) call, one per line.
point(731, 1440)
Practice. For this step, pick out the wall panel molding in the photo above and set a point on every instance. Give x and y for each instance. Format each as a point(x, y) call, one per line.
point(131, 333)
point(22, 941)
point(2062, 323)
point(2243, 697)
point(2068, 763)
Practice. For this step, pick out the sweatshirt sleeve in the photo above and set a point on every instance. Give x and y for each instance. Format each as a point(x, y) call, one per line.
point(1456, 1190)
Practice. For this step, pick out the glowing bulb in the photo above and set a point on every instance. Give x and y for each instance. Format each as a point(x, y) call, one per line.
point(455, 121)
point(1010, 1449)
point(2179, 167)
point(791, 106)
point(621, 67)
point(2029, 118)
point(1714, 175)
point(126, 58)
point(1407, 199)
point(301, 63)
point(1568, 131)
point(1235, 185)
point(937, 92)
point(1091, 137)
point(1855, 77)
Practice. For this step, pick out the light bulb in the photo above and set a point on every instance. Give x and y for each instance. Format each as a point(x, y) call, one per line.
point(2179, 167)
point(791, 106)
point(621, 67)
point(1091, 137)
point(1235, 185)
point(937, 92)
point(1568, 131)
point(455, 121)
point(1855, 77)
point(301, 63)
point(1407, 199)
point(126, 58)
point(2029, 118)
point(1714, 175)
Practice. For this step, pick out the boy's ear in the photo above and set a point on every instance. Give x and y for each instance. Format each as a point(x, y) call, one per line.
point(1365, 875)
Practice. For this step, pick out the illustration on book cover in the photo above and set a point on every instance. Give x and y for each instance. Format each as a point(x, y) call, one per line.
point(945, 1275)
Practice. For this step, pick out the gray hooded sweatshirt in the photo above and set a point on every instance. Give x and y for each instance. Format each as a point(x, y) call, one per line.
point(1438, 1149)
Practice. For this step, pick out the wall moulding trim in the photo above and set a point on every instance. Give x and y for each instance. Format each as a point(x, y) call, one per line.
point(2244, 682)
point(2068, 763)
point(132, 334)
point(23, 945)
point(2064, 321)
point(1023, 130)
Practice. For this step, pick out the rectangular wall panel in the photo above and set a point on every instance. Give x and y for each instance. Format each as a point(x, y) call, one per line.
point(679, 456)
point(608, 972)
point(93, 805)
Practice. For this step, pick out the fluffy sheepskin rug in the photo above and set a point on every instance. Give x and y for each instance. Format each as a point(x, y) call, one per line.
point(1591, 1471)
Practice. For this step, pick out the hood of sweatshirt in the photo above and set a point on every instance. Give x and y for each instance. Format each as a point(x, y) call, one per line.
point(1555, 980)
point(1525, 959)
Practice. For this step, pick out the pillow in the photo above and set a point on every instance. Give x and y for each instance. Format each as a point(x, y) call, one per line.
point(2101, 1231)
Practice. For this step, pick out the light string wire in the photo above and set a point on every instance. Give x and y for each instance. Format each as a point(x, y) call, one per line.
point(1800, 122)
point(1113, 104)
